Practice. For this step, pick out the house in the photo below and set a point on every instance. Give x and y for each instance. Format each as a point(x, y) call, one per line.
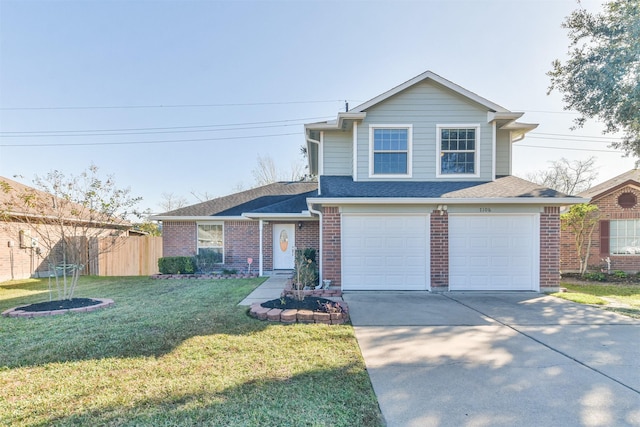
point(617, 234)
point(414, 192)
point(30, 238)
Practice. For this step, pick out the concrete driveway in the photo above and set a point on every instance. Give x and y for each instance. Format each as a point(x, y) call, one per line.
point(497, 359)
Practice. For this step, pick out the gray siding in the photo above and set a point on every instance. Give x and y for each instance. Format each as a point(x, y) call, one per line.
point(424, 106)
point(503, 153)
point(338, 152)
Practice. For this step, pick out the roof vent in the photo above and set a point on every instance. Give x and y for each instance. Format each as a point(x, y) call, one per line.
point(627, 200)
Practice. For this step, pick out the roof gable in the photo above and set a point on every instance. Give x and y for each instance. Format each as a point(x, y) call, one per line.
point(630, 177)
point(431, 76)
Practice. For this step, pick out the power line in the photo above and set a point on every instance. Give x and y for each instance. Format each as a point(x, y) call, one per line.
point(68, 144)
point(123, 107)
point(567, 148)
point(574, 136)
point(147, 133)
point(166, 128)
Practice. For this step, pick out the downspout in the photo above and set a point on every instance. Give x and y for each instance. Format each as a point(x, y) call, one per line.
point(261, 223)
point(319, 213)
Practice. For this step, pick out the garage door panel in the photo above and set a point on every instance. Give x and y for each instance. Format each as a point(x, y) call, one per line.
point(493, 252)
point(396, 259)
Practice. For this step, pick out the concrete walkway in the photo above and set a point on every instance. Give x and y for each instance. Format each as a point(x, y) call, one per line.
point(269, 289)
point(497, 359)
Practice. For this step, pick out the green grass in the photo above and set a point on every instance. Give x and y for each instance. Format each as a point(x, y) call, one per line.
point(175, 353)
point(600, 294)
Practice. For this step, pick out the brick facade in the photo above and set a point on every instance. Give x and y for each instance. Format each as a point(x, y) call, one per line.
point(609, 210)
point(550, 249)
point(331, 245)
point(179, 238)
point(241, 241)
point(439, 250)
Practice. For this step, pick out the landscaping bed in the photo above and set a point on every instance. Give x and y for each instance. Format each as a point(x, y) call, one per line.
point(309, 310)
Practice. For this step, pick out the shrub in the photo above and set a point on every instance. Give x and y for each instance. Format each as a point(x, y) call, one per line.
point(229, 271)
point(596, 277)
point(207, 260)
point(176, 265)
point(619, 274)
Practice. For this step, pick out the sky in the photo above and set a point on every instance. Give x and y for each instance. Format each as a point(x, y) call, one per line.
point(181, 97)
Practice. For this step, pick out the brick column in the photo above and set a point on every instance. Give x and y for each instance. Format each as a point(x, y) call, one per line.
point(550, 249)
point(331, 245)
point(439, 251)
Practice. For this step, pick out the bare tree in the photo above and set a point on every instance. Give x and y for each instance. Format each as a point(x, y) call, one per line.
point(202, 196)
point(171, 202)
point(64, 215)
point(566, 176)
point(266, 171)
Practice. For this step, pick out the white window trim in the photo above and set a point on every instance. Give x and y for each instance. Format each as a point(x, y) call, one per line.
point(409, 128)
point(625, 237)
point(439, 173)
point(221, 223)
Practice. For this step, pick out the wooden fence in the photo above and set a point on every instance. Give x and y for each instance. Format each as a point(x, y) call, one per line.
point(125, 256)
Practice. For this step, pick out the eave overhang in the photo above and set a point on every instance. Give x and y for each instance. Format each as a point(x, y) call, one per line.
point(541, 201)
point(197, 218)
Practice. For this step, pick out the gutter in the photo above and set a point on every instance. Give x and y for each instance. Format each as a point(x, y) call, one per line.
point(561, 201)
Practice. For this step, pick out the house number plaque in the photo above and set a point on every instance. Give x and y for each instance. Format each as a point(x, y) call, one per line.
point(485, 210)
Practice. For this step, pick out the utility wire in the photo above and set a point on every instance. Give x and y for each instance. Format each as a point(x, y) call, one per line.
point(165, 128)
point(68, 144)
point(146, 133)
point(567, 148)
point(123, 107)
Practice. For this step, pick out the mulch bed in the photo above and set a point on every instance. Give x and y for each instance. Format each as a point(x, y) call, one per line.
point(321, 305)
point(65, 304)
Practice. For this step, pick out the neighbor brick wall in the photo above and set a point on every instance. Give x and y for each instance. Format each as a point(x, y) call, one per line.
point(609, 210)
point(331, 245)
point(550, 248)
point(15, 263)
point(179, 238)
point(439, 250)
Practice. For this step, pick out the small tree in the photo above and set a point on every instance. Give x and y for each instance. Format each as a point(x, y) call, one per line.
point(581, 220)
point(306, 273)
point(64, 214)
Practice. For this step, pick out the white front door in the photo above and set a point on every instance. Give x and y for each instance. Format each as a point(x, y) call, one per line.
point(284, 239)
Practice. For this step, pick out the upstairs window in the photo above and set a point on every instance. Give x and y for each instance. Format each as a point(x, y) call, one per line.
point(458, 150)
point(390, 150)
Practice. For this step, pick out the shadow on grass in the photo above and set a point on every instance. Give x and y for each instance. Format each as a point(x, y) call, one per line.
point(307, 399)
point(149, 318)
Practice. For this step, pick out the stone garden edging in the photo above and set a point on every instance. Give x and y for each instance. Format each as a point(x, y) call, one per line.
point(299, 315)
point(16, 312)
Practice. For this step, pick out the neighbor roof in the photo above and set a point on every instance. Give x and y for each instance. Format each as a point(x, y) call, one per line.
point(629, 177)
point(279, 197)
point(501, 190)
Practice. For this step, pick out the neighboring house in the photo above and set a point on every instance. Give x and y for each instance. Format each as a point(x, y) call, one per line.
point(415, 193)
point(23, 254)
point(617, 234)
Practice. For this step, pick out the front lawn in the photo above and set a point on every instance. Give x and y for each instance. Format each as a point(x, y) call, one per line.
point(623, 299)
point(175, 353)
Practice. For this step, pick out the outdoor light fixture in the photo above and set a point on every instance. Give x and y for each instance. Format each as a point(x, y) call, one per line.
point(299, 225)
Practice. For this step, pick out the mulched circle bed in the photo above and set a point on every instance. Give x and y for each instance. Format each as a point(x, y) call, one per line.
point(309, 310)
point(65, 304)
point(51, 308)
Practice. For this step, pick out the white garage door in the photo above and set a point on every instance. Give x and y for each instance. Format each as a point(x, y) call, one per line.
point(385, 252)
point(494, 252)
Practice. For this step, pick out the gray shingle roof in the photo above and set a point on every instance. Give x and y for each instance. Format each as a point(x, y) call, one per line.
point(632, 175)
point(279, 197)
point(505, 187)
